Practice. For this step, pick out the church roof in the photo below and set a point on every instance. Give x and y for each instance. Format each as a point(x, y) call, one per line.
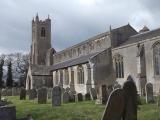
point(72, 62)
point(142, 36)
point(40, 70)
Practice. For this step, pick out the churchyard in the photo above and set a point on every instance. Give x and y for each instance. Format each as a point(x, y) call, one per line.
point(63, 104)
point(86, 110)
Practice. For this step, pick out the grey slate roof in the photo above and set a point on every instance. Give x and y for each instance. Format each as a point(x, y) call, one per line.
point(40, 70)
point(142, 36)
point(72, 62)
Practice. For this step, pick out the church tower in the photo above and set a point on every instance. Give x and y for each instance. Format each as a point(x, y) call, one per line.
point(41, 40)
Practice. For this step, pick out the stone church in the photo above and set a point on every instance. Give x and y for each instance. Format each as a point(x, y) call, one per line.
point(98, 62)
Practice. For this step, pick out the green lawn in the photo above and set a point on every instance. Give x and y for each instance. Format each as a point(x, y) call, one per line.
point(86, 110)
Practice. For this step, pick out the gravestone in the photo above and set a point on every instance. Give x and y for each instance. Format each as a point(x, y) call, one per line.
point(130, 96)
point(80, 97)
point(93, 94)
point(56, 96)
point(66, 97)
point(32, 93)
point(42, 96)
point(72, 96)
point(7, 113)
point(22, 94)
point(87, 96)
point(149, 93)
point(115, 106)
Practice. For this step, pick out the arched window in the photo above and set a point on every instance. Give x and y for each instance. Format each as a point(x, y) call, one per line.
point(80, 75)
point(156, 58)
point(118, 59)
point(43, 32)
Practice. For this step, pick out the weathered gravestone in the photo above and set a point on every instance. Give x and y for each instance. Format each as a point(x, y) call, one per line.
point(149, 93)
point(32, 93)
point(87, 96)
point(56, 96)
point(72, 96)
point(42, 96)
point(80, 97)
point(122, 103)
point(22, 94)
point(66, 97)
point(115, 106)
point(93, 94)
point(130, 95)
point(7, 113)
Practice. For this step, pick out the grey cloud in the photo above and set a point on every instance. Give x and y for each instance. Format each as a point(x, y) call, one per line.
point(72, 20)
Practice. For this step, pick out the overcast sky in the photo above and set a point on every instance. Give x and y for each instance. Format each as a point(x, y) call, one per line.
point(72, 20)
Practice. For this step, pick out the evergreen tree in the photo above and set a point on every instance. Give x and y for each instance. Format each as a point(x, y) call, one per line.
point(9, 81)
point(1, 73)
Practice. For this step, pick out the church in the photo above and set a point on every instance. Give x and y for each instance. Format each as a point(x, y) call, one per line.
point(99, 62)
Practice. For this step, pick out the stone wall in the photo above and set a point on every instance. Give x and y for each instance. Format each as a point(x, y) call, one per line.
point(129, 53)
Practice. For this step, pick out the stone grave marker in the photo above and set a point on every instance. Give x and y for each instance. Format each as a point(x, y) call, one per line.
point(80, 97)
point(72, 96)
point(32, 93)
point(22, 94)
point(87, 96)
point(115, 106)
point(66, 97)
point(93, 94)
point(149, 93)
point(56, 96)
point(42, 96)
point(7, 113)
point(130, 97)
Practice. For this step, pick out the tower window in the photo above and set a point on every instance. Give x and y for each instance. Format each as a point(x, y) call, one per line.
point(43, 32)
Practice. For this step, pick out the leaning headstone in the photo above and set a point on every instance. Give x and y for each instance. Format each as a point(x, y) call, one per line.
point(22, 94)
point(115, 106)
point(149, 93)
point(7, 113)
point(80, 97)
point(32, 94)
point(93, 94)
point(130, 96)
point(42, 96)
point(87, 96)
point(66, 97)
point(56, 96)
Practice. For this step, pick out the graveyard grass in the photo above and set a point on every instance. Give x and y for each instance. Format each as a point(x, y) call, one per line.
point(86, 110)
